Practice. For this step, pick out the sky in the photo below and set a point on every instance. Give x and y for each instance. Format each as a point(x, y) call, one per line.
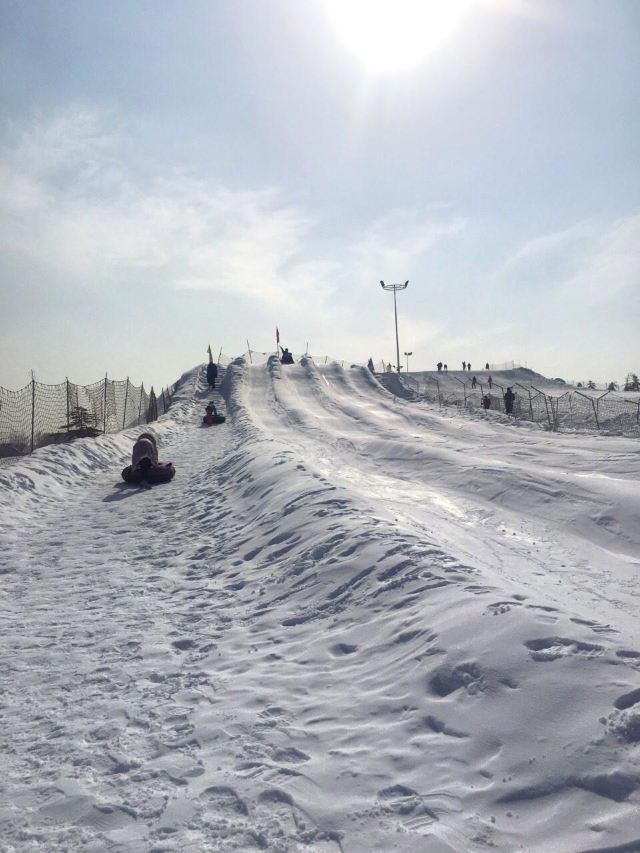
point(174, 175)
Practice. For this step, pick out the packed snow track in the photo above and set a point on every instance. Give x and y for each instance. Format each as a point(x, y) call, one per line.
point(351, 623)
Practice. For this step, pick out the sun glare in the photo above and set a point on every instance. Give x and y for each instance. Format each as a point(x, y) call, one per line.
point(395, 35)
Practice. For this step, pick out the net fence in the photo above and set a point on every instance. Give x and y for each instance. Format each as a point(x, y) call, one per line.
point(41, 414)
point(573, 410)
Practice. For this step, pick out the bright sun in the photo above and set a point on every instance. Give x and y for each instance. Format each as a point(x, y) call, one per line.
point(394, 35)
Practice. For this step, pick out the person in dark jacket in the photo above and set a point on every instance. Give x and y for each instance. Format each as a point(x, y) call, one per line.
point(212, 374)
point(474, 382)
point(509, 397)
point(287, 358)
point(486, 402)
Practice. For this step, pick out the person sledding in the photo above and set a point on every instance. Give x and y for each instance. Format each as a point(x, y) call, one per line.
point(212, 374)
point(211, 415)
point(287, 358)
point(145, 468)
point(212, 369)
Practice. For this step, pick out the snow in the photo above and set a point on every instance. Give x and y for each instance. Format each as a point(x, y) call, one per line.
point(351, 623)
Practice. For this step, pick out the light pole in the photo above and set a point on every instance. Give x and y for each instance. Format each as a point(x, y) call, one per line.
point(395, 288)
point(407, 355)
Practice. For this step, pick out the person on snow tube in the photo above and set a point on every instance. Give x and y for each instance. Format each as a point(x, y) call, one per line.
point(212, 417)
point(145, 467)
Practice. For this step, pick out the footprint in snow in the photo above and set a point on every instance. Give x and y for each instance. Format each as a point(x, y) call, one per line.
point(552, 648)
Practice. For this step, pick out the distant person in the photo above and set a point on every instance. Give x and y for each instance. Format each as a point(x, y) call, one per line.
point(287, 357)
point(486, 402)
point(370, 365)
point(474, 382)
point(490, 381)
point(468, 365)
point(509, 397)
point(389, 368)
point(486, 367)
point(464, 365)
point(212, 374)
point(439, 366)
point(446, 368)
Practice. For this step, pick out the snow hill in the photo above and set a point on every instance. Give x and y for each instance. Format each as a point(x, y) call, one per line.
point(351, 623)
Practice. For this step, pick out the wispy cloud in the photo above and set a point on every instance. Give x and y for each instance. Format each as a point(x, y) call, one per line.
point(78, 200)
point(591, 261)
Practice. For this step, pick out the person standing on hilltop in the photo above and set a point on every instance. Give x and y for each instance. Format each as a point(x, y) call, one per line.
point(212, 374)
point(464, 365)
point(439, 366)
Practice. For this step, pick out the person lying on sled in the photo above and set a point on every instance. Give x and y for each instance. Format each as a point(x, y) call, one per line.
point(145, 467)
point(144, 448)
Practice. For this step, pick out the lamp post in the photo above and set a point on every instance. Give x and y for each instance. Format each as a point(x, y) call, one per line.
point(395, 288)
point(407, 355)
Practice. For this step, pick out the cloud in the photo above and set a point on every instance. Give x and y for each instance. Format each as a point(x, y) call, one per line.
point(80, 205)
point(613, 266)
point(590, 261)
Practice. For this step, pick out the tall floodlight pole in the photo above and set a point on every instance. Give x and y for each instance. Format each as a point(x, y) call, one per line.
point(407, 355)
point(395, 288)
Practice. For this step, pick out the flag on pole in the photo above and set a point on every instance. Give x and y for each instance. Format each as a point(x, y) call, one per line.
point(210, 354)
point(277, 336)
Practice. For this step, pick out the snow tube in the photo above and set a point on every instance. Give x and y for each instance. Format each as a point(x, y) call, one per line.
point(215, 419)
point(162, 472)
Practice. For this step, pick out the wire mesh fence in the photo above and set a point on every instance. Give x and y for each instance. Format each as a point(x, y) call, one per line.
point(41, 414)
point(574, 410)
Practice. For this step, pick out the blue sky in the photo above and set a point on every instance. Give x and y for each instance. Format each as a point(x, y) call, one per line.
point(174, 174)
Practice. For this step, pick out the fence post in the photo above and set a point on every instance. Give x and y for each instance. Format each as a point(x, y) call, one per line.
point(68, 424)
point(140, 406)
point(219, 355)
point(249, 348)
point(126, 396)
point(104, 406)
point(595, 412)
point(439, 394)
point(33, 408)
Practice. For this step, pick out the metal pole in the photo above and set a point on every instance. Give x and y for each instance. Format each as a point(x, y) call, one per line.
point(68, 424)
point(140, 406)
point(395, 288)
point(249, 348)
point(395, 314)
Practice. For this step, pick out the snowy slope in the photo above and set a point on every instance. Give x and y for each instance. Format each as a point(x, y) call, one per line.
point(350, 623)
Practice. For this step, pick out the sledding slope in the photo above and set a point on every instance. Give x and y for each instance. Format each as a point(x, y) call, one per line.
point(350, 623)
